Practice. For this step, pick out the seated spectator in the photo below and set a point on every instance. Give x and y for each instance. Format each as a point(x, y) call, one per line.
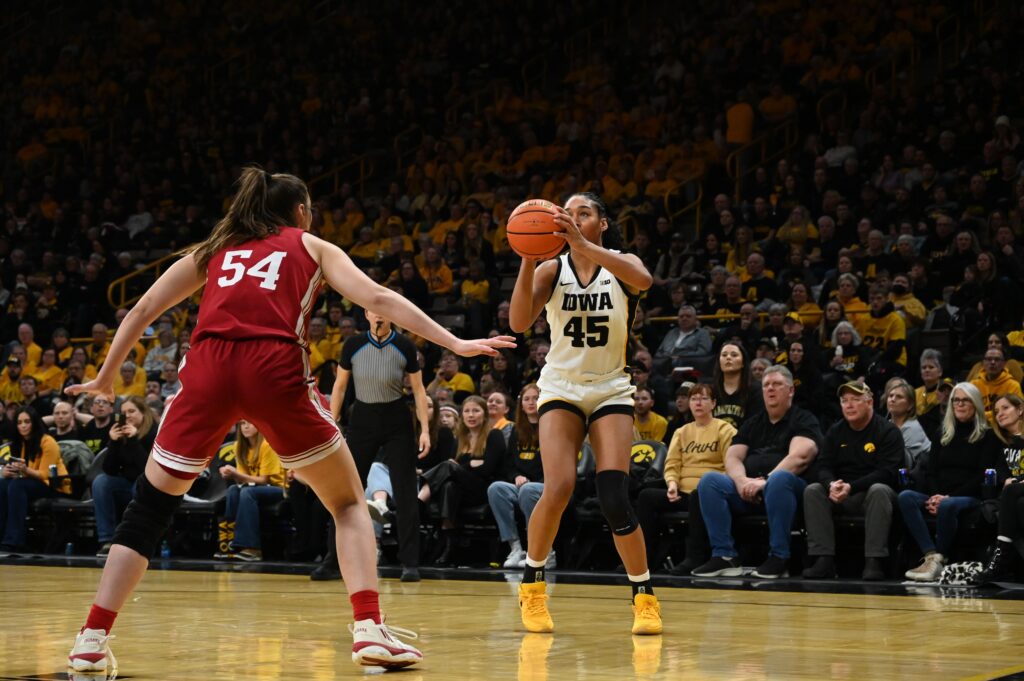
point(26, 477)
point(256, 480)
point(899, 400)
point(849, 360)
point(436, 273)
point(999, 340)
point(884, 331)
point(855, 473)
point(995, 380)
point(31, 397)
point(65, 425)
point(926, 395)
point(464, 480)
point(759, 288)
point(953, 480)
point(800, 302)
point(746, 329)
point(764, 467)
point(131, 441)
point(1009, 428)
point(831, 316)
point(682, 414)
point(130, 382)
point(736, 399)
point(97, 423)
point(647, 424)
point(910, 308)
point(809, 390)
point(758, 366)
point(684, 342)
point(502, 370)
point(497, 413)
point(165, 349)
point(449, 376)
point(536, 360)
point(522, 482)
point(696, 449)
point(49, 374)
point(10, 381)
point(170, 382)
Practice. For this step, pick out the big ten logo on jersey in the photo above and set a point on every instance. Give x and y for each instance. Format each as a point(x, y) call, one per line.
point(642, 453)
point(266, 270)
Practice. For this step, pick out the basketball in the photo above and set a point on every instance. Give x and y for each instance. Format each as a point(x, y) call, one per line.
point(531, 229)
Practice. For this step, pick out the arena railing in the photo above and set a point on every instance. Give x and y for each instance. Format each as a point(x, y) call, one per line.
point(117, 291)
point(403, 145)
point(833, 101)
point(765, 148)
point(888, 72)
point(691, 191)
point(329, 183)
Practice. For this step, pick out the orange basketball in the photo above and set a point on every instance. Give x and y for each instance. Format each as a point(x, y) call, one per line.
point(531, 229)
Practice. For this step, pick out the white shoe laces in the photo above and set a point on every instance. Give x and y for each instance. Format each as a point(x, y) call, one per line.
point(390, 629)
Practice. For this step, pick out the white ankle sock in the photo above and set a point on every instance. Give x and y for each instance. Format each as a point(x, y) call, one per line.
point(1006, 540)
point(645, 577)
point(536, 563)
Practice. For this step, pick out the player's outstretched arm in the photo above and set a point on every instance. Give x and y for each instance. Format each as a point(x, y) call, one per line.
point(626, 267)
point(181, 280)
point(343, 276)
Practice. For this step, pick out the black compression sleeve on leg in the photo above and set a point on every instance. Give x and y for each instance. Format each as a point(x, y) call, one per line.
point(613, 494)
point(146, 519)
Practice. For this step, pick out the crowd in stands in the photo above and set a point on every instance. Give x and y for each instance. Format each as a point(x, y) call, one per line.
point(891, 229)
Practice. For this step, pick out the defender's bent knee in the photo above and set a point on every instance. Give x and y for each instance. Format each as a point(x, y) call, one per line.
point(146, 519)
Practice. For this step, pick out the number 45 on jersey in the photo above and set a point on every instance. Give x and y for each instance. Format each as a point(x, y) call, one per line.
point(265, 270)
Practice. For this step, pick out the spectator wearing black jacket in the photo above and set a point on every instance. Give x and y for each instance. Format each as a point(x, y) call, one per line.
point(463, 481)
point(854, 474)
point(954, 478)
point(131, 440)
point(522, 480)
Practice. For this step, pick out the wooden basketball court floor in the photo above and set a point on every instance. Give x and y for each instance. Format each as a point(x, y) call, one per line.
point(238, 625)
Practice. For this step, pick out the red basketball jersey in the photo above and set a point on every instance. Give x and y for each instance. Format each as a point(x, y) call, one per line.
point(264, 288)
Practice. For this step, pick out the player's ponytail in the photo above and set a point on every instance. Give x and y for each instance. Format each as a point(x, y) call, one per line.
point(611, 238)
point(262, 205)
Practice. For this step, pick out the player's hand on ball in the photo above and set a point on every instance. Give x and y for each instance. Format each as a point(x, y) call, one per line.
point(570, 231)
point(483, 346)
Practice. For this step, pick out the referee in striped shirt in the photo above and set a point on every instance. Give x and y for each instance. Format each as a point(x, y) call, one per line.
point(380, 425)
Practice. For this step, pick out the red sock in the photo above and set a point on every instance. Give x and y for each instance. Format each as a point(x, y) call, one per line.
point(100, 618)
point(365, 606)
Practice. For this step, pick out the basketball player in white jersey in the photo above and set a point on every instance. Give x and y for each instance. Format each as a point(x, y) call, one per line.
point(590, 295)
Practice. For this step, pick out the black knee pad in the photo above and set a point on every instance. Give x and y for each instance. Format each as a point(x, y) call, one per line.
point(146, 519)
point(613, 494)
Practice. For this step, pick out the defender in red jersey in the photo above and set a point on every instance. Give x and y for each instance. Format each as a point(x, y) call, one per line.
point(249, 359)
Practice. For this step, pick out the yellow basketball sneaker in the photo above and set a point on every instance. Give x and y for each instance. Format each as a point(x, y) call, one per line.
point(646, 615)
point(533, 603)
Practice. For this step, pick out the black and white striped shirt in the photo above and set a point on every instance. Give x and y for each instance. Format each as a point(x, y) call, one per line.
point(379, 367)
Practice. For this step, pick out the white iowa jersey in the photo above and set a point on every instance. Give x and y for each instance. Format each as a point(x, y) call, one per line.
point(589, 325)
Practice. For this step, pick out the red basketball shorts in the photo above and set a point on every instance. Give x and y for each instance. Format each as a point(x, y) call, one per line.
point(265, 382)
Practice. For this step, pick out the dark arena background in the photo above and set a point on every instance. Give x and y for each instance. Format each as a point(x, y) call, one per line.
point(832, 187)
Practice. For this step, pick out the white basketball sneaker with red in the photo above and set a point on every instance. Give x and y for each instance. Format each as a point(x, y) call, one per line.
point(92, 652)
point(376, 645)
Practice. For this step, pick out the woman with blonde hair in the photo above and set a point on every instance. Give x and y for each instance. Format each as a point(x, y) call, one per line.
point(258, 480)
point(1009, 428)
point(902, 407)
point(953, 480)
point(463, 481)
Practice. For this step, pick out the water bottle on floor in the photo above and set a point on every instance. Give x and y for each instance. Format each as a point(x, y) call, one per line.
point(165, 549)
